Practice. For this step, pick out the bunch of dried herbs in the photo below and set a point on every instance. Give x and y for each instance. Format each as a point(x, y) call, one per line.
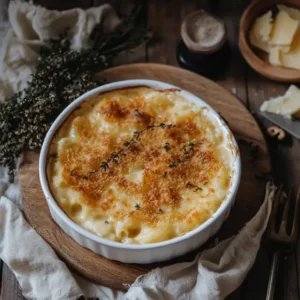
point(61, 76)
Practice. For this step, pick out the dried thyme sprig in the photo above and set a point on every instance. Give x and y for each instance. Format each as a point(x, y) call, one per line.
point(187, 150)
point(61, 76)
point(115, 156)
point(195, 187)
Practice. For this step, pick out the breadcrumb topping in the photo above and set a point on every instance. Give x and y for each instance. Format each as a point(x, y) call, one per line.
point(141, 154)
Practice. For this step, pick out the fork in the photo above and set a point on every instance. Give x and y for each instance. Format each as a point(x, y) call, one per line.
point(282, 230)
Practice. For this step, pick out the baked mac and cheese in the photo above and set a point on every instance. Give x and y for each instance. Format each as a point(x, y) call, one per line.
point(139, 165)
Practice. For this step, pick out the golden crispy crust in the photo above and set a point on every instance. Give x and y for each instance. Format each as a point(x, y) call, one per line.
point(165, 160)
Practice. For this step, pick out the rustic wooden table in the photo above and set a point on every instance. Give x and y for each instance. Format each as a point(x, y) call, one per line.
point(252, 89)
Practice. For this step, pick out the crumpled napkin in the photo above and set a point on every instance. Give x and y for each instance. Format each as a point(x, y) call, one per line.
point(213, 274)
point(33, 26)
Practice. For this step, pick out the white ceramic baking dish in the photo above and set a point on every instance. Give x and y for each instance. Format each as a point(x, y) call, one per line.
point(133, 253)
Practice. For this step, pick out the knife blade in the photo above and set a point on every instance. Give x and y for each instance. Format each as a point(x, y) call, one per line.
point(292, 126)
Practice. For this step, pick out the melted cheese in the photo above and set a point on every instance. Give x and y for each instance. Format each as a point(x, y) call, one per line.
point(165, 180)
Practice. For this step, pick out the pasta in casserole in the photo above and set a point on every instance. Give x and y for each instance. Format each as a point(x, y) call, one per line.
point(140, 165)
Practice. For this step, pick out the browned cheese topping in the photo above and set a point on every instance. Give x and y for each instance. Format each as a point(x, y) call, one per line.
point(136, 160)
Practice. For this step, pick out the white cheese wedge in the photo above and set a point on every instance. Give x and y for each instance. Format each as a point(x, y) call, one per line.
point(261, 31)
point(293, 12)
point(275, 56)
point(287, 105)
point(263, 26)
point(284, 29)
point(291, 59)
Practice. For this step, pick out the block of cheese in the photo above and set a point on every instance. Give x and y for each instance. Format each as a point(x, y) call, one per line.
point(263, 26)
point(284, 49)
point(291, 59)
point(287, 105)
point(261, 31)
point(293, 12)
point(284, 29)
point(259, 43)
point(281, 38)
point(275, 56)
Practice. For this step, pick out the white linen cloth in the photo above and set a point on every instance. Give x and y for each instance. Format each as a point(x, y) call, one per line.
point(32, 26)
point(213, 274)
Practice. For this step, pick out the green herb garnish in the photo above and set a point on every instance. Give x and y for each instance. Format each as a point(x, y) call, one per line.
point(187, 149)
point(104, 165)
point(167, 147)
point(195, 187)
point(115, 156)
point(192, 145)
point(61, 75)
point(172, 165)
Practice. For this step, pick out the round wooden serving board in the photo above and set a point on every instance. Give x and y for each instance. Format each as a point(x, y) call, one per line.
point(255, 160)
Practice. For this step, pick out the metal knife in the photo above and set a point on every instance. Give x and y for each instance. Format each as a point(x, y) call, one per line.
point(291, 126)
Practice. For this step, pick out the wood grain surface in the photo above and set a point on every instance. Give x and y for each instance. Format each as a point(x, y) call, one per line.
point(249, 197)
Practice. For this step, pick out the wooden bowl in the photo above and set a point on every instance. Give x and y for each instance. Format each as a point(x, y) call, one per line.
point(253, 56)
